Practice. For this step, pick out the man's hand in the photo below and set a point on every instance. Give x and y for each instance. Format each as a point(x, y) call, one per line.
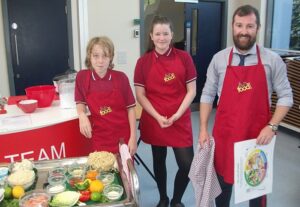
point(203, 138)
point(265, 136)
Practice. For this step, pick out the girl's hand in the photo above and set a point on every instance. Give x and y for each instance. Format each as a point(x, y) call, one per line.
point(85, 126)
point(163, 122)
point(173, 118)
point(132, 145)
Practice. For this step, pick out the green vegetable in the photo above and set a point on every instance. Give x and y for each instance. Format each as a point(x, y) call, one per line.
point(10, 203)
point(7, 192)
point(67, 198)
point(82, 185)
point(104, 199)
point(96, 196)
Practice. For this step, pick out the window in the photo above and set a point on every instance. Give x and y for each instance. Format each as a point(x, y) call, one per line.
point(286, 25)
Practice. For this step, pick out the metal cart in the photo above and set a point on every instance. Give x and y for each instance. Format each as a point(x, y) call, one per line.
point(130, 183)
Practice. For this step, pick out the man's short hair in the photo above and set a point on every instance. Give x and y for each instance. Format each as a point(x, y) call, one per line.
point(246, 10)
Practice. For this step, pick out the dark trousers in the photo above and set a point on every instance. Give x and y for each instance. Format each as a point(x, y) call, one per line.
point(223, 200)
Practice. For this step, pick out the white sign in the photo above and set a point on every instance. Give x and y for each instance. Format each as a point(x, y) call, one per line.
point(187, 1)
point(253, 169)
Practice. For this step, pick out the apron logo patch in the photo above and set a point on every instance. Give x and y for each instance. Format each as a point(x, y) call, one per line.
point(105, 110)
point(242, 87)
point(169, 77)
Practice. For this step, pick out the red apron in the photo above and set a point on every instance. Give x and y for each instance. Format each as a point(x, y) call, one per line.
point(109, 117)
point(240, 114)
point(166, 89)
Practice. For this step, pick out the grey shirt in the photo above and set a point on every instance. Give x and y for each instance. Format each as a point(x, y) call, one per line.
point(275, 69)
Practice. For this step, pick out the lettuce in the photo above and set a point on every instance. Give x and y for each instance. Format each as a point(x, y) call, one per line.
point(65, 199)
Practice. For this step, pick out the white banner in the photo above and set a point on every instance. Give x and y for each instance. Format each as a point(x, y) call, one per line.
point(253, 169)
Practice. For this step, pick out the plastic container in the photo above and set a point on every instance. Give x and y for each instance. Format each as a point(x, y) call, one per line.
point(68, 74)
point(66, 89)
point(17, 178)
point(44, 94)
point(56, 179)
point(3, 172)
point(74, 179)
point(65, 86)
point(3, 176)
point(106, 178)
point(113, 192)
point(76, 169)
point(54, 189)
point(35, 198)
point(57, 170)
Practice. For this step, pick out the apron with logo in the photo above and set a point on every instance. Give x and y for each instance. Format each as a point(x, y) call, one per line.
point(166, 89)
point(242, 112)
point(109, 117)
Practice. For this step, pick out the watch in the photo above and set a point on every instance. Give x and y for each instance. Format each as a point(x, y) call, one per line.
point(274, 127)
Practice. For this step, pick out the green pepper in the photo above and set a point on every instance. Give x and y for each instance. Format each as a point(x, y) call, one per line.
point(82, 185)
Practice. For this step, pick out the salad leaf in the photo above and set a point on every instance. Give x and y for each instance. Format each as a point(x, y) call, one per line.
point(10, 203)
point(67, 198)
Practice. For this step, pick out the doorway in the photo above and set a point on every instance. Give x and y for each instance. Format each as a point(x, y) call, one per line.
point(36, 41)
point(203, 36)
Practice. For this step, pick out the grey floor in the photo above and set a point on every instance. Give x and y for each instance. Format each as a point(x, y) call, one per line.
point(286, 187)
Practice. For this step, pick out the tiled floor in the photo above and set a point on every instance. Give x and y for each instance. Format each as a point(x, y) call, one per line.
point(286, 187)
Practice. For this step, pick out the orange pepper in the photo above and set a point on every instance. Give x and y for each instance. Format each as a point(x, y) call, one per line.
point(91, 174)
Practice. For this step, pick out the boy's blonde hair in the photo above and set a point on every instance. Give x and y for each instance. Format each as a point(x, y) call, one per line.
point(106, 44)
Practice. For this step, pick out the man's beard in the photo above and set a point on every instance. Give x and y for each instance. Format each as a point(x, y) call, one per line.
point(242, 45)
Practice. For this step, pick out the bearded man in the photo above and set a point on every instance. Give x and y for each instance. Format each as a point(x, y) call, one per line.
point(244, 77)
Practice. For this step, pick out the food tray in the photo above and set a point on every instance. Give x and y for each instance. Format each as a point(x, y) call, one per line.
point(130, 197)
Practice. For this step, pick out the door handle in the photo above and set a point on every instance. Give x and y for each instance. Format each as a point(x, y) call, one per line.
point(188, 37)
point(17, 51)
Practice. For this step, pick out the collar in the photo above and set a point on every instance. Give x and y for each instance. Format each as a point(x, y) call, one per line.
point(107, 76)
point(167, 53)
point(252, 51)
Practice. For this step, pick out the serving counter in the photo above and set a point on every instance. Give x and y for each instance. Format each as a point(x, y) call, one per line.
point(46, 134)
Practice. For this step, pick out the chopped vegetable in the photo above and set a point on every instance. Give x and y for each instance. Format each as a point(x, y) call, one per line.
point(67, 198)
point(82, 185)
point(85, 196)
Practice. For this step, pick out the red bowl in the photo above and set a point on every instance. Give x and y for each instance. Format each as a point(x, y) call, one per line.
point(28, 106)
point(44, 94)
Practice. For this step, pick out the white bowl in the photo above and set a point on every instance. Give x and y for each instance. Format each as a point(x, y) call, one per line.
point(17, 178)
point(113, 192)
point(55, 189)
